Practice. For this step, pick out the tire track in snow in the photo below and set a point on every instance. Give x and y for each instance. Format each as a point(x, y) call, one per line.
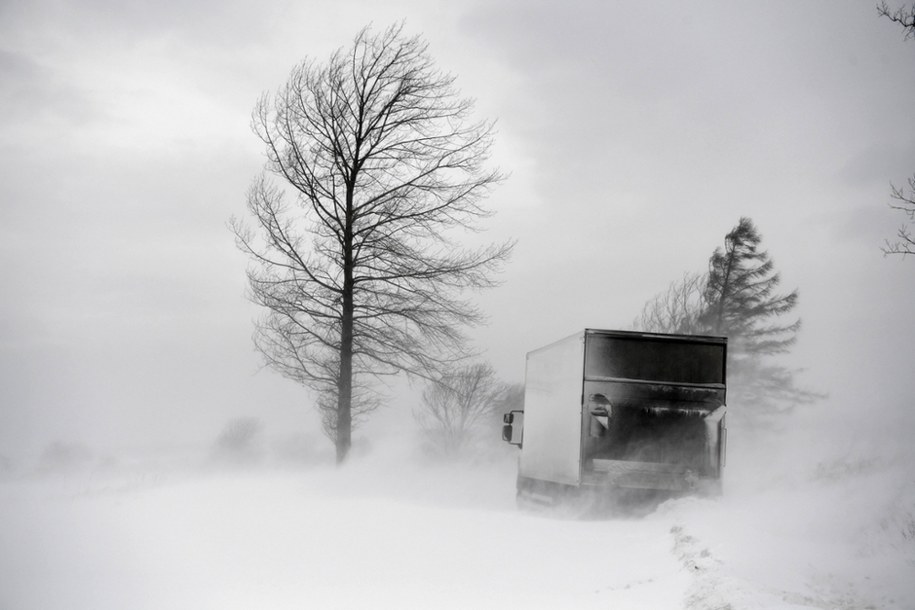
point(713, 589)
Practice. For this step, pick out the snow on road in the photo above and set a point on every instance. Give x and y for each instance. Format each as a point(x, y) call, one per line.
point(293, 541)
point(420, 537)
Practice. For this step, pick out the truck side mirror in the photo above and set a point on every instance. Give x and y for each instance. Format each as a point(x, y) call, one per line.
point(513, 427)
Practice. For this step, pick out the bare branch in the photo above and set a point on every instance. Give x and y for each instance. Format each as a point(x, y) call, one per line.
point(677, 310)
point(905, 202)
point(903, 15)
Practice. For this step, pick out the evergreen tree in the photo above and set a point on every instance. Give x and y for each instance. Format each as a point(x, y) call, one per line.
point(742, 302)
point(738, 298)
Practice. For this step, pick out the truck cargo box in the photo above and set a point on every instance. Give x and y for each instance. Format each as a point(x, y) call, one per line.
point(610, 409)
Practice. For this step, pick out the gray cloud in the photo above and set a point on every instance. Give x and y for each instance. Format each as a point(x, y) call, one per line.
point(33, 94)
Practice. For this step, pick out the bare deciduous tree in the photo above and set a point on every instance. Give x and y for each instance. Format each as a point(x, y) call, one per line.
point(905, 201)
point(361, 273)
point(456, 406)
point(903, 15)
point(678, 309)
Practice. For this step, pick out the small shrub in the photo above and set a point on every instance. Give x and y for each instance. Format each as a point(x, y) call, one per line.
point(239, 442)
point(64, 457)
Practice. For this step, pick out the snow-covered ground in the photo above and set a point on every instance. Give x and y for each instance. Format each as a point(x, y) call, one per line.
point(391, 533)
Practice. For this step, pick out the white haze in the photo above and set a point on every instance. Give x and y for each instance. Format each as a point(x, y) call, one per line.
point(636, 136)
point(391, 531)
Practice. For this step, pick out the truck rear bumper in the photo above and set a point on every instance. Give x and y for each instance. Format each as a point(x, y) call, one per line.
point(647, 475)
point(596, 497)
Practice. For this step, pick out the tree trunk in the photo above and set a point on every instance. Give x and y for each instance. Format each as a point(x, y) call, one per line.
point(345, 381)
point(725, 286)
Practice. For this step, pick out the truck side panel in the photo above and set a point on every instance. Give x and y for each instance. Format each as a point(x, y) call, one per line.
point(552, 412)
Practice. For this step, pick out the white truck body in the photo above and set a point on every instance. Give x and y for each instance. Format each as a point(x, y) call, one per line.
point(617, 409)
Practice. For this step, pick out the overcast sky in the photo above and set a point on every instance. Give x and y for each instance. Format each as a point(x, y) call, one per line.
point(636, 134)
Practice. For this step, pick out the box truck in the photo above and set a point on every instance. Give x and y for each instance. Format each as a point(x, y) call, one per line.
point(610, 414)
